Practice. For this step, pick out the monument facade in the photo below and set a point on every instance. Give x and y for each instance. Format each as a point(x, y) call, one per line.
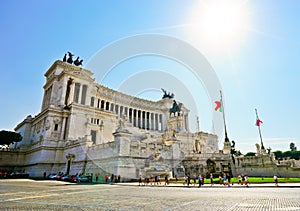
point(86, 128)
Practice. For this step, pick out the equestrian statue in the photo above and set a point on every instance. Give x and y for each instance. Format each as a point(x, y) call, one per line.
point(176, 108)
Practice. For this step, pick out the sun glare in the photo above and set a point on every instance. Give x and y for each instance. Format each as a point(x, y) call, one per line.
point(219, 24)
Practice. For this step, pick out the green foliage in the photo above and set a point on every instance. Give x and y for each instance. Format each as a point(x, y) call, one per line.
point(278, 154)
point(295, 155)
point(8, 137)
point(251, 180)
point(238, 153)
point(290, 154)
point(249, 154)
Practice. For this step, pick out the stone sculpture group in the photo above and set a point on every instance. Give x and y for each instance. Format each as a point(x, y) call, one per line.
point(77, 62)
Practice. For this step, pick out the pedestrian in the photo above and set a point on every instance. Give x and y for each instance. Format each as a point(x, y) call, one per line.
point(45, 175)
point(228, 180)
point(275, 180)
point(220, 180)
point(167, 180)
point(211, 176)
point(106, 178)
point(97, 178)
point(158, 180)
point(224, 179)
point(112, 177)
point(247, 181)
point(188, 180)
point(176, 179)
point(199, 180)
point(185, 180)
point(243, 179)
point(195, 180)
point(140, 180)
point(239, 179)
point(151, 179)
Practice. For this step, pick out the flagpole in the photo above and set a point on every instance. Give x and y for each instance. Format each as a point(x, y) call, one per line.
point(261, 141)
point(223, 111)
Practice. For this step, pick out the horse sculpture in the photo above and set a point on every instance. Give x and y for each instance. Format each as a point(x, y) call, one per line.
point(78, 62)
point(176, 108)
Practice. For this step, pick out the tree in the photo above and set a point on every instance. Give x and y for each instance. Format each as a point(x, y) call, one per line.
point(9, 137)
point(238, 153)
point(250, 154)
point(296, 154)
point(293, 146)
point(287, 154)
point(278, 154)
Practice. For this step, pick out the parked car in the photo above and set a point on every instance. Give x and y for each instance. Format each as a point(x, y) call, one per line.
point(18, 175)
point(59, 176)
point(84, 179)
point(55, 176)
point(69, 178)
point(52, 176)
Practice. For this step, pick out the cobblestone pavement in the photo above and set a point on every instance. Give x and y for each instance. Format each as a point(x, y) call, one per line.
point(26, 194)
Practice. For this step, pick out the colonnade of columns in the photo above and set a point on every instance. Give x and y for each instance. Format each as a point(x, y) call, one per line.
point(139, 118)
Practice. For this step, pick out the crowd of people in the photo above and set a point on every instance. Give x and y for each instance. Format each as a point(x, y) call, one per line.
point(195, 180)
point(154, 180)
point(112, 179)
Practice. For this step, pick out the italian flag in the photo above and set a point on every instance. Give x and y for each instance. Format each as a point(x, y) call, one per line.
point(218, 106)
point(258, 122)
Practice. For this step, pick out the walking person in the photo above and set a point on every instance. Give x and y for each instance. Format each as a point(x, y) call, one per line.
point(228, 180)
point(188, 180)
point(112, 178)
point(220, 180)
point(97, 178)
point(195, 180)
point(211, 177)
point(185, 180)
point(140, 180)
point(247, 181)
point(239, 179)
point(199, 180)
point(275, 180)
point(224, 179)
point(243, 179)
point(167, 180)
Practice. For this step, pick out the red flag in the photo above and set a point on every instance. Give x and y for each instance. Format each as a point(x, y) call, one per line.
point(218, 106)
point(258, 122)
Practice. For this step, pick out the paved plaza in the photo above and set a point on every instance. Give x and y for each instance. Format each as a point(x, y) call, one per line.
point(25, 194)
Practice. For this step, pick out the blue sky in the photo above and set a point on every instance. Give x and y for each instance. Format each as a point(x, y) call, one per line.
point(258, 66)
